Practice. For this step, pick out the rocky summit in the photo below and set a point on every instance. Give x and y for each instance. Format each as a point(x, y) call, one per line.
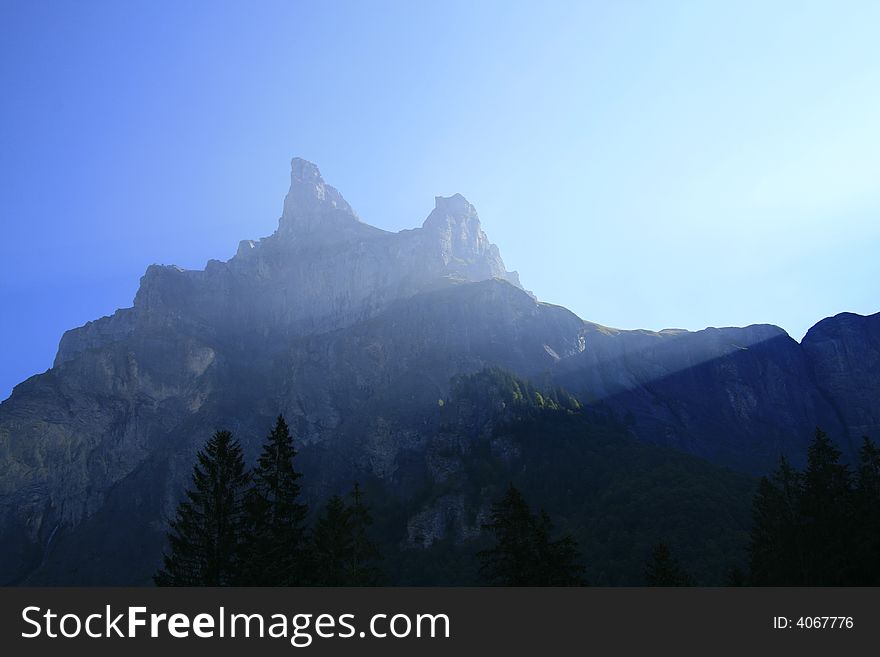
point(356, 335)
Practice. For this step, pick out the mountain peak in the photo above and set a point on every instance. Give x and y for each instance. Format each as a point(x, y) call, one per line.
point(304, 171)
point(456, 203)
point(311, 204)
point(453, 211)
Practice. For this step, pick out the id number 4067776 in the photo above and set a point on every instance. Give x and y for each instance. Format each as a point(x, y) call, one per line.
point(813, 623)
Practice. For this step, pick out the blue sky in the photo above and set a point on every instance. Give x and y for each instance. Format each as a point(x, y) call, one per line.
point(646, 164)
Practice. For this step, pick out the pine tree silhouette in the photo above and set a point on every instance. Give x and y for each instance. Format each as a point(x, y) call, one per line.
point(776, 549)
point(524, 554)
point(275, 544)
point(815, 528)
point(826, 508)
point(332, 543)
point(206, 534)
point(341, 550)
point(362, 569)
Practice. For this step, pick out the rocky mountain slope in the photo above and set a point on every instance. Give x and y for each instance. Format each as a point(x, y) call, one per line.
point(355, 334)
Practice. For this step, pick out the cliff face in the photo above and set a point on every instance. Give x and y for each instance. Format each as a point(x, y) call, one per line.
point(354, 334)
point(844, 354)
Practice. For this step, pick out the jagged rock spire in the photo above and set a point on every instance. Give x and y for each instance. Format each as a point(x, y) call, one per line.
point(311, 204)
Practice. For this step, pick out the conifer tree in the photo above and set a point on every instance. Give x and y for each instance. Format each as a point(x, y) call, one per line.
point(511, 561)
point(362, 569)
point(663, 569)
point(332, 543)
point(826, 512)
point(524, 554)
point(559, 558)
point(811, 528)
point(342, 553)
point(776, 549)
point(275, 515)
point(206, 534)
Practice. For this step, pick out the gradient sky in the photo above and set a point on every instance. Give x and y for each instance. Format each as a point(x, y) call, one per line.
point(646, 164)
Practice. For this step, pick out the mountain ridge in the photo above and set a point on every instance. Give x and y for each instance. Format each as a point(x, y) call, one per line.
point(355, 334)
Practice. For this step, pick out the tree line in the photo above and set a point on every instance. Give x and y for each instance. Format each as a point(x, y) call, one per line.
point(236, 527)
point(819, 526)
point(816, 527)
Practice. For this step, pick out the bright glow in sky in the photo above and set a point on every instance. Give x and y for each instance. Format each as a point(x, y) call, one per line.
point(646, 164)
